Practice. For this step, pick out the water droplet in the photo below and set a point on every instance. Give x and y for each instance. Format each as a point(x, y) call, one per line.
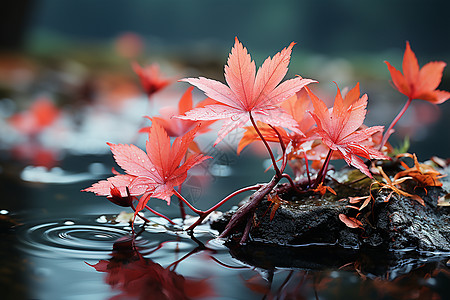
point(153, 169)
point(102, 219)
point(4, 212)
point(69, 223)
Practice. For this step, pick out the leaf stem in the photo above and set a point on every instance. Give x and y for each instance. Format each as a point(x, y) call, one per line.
point(159, 215)
point(307, 168)
point(283, 148)
point(142, 217)
point(289, 178)
point(274, 163)
point(249, 207)
point(207, 212)
point(181, 205)
point(323, 171)
point(197, 211)
point(388, 133)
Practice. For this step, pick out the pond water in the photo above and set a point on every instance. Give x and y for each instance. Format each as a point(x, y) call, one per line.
point(59, 243)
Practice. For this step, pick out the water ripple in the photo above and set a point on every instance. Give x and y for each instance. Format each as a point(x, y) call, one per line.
point(69, 239)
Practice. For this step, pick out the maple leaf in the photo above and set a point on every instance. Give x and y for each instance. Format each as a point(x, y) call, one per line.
point(117, 198)
point(419, 83)
point(176, 127)
point(392, 185)
point(152, 174)
point(322, 189)
point(137, 277)
point(249, 93)
point(150, 78)
point(41, 114)
point(297, 107)
point(424, 175)
point(338, 128)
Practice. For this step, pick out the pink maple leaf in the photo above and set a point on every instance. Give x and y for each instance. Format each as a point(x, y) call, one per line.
point(249, 93)
point(152, 174)
point(338, 128)
point(176, 127)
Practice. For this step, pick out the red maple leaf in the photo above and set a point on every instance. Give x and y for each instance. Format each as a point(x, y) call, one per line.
point(150, 77)
point(249, 93)
point(152, 174)
point(41, 114)
point(338, 128)
point(134, 276)
point(176, 127)
point(418, 83)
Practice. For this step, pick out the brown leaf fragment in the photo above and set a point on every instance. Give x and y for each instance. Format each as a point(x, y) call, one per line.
point(350, 221)
point(276, 203)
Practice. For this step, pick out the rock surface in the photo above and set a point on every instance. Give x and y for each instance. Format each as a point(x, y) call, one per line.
point(399, 224)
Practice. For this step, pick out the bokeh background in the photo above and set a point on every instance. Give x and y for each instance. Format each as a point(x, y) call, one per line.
point(67, 87)
point(78, 53)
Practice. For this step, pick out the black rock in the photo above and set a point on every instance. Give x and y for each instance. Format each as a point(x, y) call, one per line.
point(398, 224)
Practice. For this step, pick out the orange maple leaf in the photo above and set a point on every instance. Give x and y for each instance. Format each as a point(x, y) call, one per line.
point(416, 83)
point(249, 94)
point(276, 202)
point(424, 175)
point(322, 189)
point(338, 128)
point(392, 185)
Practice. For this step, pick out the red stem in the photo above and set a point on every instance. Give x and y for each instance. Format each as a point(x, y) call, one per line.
point(181, 205)
point(323, 171)
point(284, 175)
point(307, 169)
point(274, 163)
point(207, 212)
point(159, 214)
point(387, 133)
point(283, 148)
point(249, 207)
point(142, 217)
point(197, 211)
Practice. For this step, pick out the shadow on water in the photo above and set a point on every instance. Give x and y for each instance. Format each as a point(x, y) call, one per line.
point(58, 243)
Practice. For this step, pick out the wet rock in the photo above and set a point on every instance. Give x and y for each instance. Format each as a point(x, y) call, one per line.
point(399, 224)
point(371, 262)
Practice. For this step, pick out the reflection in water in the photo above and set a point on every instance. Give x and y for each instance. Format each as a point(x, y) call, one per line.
point(135, 276)
point(74, 258)
point(131, 272)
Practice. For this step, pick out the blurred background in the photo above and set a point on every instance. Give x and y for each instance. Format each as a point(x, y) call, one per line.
point(74, 58)
point(67, 86)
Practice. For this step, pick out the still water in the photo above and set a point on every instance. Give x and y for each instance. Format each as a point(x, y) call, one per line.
point(59, 243)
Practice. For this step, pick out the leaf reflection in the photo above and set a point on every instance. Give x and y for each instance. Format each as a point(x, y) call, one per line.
point(138, 277)
point(134, 275)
